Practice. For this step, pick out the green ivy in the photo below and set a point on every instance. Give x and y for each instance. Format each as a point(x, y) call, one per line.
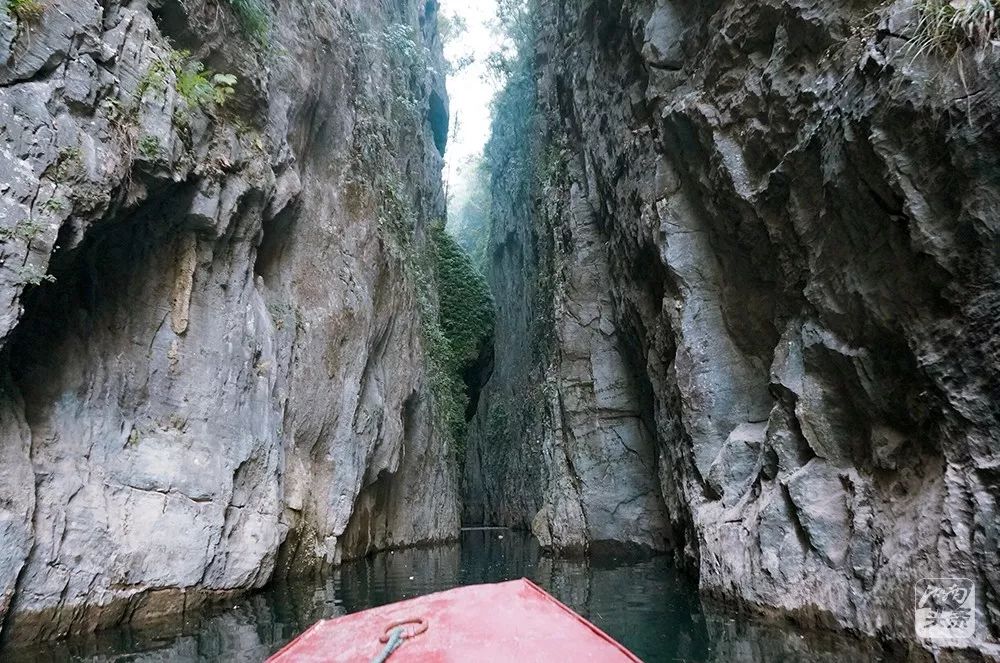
point(465, 325)
point(466, 304)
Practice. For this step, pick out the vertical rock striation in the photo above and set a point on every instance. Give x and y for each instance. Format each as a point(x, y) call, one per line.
point(764, 242)
point(211, 361)
point(562, 441)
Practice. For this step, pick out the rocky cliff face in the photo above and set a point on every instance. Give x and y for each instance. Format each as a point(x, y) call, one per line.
point(763, 240)
point(212, 366)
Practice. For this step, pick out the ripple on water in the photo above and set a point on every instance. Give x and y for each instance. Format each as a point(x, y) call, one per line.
point(645, 605)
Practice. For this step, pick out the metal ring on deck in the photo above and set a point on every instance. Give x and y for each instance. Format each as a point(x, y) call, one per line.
point(419, 622)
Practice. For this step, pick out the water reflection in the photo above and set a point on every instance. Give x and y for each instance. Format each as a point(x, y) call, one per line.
point(645, 605)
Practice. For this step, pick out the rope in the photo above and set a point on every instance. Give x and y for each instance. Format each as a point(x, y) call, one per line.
point(395, 642)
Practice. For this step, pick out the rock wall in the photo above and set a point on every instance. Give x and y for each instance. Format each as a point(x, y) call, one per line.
point(561, 442)
point(211, 358)
point(767, 233)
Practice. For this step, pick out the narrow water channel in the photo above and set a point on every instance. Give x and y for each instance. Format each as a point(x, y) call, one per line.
point(645, 605)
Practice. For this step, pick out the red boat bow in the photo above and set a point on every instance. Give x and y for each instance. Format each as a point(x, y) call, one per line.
point(512, 621)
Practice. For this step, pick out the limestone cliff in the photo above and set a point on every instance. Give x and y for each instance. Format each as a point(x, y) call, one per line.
point(746, 257)
point(213, 368)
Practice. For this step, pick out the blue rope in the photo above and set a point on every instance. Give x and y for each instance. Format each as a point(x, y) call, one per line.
point(396, 640)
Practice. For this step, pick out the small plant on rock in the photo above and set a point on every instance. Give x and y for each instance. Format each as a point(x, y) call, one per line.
point(155, 78)
point(26, 11)
point(149, 147)
point(25, 230)
point(197, 85)
point(947, 27)
point(69, 164)
point(254, 19)
point(52, 206)
point(30, 275)
point(200, 87)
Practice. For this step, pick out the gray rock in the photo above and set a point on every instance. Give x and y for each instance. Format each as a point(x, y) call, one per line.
point(821, 506)
point(601, 484)
point(226, 380)
point(800, 227)
point(663, 46)
point(738, 463)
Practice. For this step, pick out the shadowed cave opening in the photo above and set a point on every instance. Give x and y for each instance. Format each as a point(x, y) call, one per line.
point(95, 282)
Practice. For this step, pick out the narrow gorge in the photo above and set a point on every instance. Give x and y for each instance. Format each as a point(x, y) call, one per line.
point(744, 259)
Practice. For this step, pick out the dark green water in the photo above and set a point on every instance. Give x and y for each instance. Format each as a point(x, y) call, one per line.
point(646, 606)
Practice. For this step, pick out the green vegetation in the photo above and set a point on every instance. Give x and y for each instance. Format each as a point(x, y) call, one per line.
point(52, 206)
point(90, 198)
point(465, 319)
point(387, 110)
point(25, 11)
point(197, 85)
point(387, 113)
point(399, 40)
point(499, 424)
point(254, 18)
point(26, 231)
point(452, 28)
point(123, 122)
point(509, 152)
point(457, 323)
point(155, 77)
point(283, 313)
point(947, 27)
point(516, 55)
point(525, 167)
point(118, 113)
point(68, 165)
point(30, 275)
point(203, 89)
point(453, 300)
point(149, 147)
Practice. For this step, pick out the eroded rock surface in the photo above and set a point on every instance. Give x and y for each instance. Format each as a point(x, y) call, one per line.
point(212, 369)
point(782, 230)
